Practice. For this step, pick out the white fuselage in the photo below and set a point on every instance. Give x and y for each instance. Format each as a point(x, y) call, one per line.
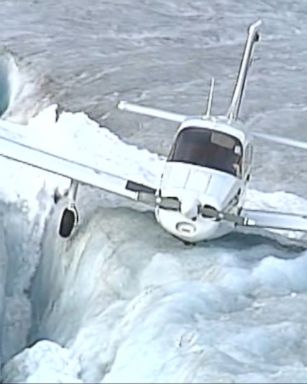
point(196, 186)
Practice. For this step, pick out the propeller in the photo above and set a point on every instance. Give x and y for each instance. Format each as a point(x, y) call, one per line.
point(212, 213)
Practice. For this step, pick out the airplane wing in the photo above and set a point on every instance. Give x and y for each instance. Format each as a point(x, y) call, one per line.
point(15, 149)
point(274, 220)
point(261, 219)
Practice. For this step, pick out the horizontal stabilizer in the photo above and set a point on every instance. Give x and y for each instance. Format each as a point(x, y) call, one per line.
point(140, 109)
point(281, 140)
point(275, 220)
point(23, 153)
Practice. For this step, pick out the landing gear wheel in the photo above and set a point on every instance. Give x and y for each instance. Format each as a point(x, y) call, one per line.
point(68, 221)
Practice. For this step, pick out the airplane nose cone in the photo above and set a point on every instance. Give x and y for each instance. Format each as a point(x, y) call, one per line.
point(189, 207)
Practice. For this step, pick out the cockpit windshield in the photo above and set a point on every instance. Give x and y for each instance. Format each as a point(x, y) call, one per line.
point(208, 148)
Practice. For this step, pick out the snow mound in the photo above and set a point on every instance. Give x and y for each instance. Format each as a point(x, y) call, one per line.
point(45, 362)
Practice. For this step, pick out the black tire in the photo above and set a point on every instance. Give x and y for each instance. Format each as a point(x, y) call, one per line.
point(68, 222)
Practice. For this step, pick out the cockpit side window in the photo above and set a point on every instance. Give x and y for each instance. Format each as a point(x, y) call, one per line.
point(208, 148)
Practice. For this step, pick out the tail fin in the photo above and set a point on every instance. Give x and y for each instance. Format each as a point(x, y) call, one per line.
point(252, 38)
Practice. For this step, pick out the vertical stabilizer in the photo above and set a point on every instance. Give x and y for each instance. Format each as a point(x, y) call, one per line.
point(252, 37)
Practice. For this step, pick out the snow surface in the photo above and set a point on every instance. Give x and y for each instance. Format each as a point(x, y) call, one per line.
point(43, 363)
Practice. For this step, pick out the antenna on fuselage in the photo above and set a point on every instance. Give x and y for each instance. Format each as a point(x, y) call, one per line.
point(252, 37)
point(210, 99)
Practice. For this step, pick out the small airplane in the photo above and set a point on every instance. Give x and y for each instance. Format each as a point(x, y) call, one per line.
point(200, 195)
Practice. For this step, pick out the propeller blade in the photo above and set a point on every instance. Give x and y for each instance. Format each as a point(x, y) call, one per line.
point(213, 213)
